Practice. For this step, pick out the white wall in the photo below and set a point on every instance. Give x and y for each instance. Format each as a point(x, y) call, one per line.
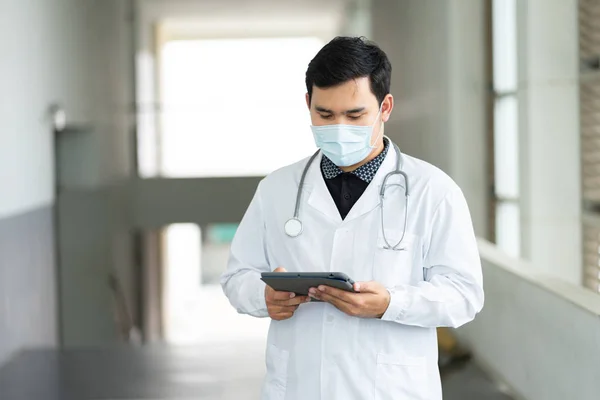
point(58, 51)
point(549, 136)
point(536, 333)
point(438, 82)
point(30, 77)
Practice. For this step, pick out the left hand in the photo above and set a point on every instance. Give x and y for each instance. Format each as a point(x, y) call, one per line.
point(371, 300)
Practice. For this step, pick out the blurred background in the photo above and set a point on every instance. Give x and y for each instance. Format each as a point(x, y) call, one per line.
point(134, 133)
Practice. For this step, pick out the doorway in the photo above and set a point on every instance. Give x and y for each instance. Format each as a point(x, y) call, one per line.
point(228, 108)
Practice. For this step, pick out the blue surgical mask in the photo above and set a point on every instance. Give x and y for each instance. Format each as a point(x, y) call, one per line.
point(343, 144)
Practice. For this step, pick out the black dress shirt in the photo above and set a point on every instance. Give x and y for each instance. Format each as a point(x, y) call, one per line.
point(347, 187)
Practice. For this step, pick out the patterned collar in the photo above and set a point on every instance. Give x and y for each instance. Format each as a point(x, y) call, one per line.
point(365, 172)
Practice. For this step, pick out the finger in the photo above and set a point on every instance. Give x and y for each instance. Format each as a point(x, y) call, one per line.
point(338, 303)
point(279, 269)
point(282, 309)
point(366, 287)
point(275, 295)
point(338, 293)
point(283, 295)
point(291, 302)
point(282, 316)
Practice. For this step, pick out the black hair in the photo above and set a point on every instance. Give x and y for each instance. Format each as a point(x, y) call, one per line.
point(348, 58)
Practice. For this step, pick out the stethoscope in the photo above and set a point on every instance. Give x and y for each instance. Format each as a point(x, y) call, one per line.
point(293, 227)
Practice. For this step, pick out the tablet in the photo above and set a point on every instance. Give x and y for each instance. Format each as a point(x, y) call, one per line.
point(301, 282)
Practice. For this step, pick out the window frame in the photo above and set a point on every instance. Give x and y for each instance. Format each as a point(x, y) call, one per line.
point(496, 200)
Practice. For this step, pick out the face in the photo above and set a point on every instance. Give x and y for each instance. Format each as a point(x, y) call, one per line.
point(351, 103)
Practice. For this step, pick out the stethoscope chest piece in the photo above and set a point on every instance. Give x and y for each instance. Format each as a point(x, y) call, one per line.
point(293, 227)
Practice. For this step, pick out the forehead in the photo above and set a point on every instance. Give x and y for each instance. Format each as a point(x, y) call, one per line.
point(348, 95)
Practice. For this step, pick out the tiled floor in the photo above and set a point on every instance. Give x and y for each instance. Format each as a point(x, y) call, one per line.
point(470, 383)
point(231, 371)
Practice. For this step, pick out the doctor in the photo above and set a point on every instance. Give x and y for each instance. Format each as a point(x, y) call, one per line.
point(412, 250)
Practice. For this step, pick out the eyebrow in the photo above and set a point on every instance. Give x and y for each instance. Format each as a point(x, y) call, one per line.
point(352, 111)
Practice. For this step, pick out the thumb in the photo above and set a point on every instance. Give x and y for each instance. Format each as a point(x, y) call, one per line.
point(279, 269)
point(365, 287)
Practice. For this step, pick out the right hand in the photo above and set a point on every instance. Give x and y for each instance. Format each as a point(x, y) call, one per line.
point(282, 305)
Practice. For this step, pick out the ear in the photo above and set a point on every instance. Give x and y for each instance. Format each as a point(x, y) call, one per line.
point(308, 101)
point(386, 107)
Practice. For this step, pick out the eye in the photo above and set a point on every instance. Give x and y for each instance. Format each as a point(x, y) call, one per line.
point(328, 116)
point(354, 117)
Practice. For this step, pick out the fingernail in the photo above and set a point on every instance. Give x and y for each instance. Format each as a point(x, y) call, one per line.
point(357, 288)
point(292, 295)
point(322, 288)
point(312, 291)
point(308, 299)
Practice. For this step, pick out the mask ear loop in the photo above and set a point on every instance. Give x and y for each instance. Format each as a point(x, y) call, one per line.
point(380, 134)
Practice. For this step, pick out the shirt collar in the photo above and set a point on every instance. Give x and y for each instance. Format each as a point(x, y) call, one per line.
point(365, 172)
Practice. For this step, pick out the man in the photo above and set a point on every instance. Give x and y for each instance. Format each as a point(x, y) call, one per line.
point(380, 342)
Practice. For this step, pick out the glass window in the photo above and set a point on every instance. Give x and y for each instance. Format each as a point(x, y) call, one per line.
point(506, 127)
point(508, 229)
point(221, 119)
point(505, 45)
point(506, 148)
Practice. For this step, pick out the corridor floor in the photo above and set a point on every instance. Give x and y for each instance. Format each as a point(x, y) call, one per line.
point(231, 371)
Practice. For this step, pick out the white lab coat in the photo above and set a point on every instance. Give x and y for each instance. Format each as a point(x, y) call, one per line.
point(323, 354)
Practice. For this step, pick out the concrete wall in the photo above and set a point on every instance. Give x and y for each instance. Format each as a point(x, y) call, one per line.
point(74, 53)
point(95, 165)
point(438, 82)
point(28, 312)
point(536, 333)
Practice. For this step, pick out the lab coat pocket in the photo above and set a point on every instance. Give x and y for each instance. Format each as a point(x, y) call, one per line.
point(401, 377)
point(393, 267)
point(275, 381)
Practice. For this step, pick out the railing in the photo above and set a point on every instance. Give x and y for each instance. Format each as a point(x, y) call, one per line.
point(128, 331)
point(536, 333)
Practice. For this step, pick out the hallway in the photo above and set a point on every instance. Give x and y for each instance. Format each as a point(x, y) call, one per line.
point(218, 371)
point(137, 133)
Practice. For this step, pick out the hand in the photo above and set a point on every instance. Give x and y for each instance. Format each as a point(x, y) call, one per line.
point(282, 305)
point(371, 301)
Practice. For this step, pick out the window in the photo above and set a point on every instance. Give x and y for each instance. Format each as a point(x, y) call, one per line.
point(589, 98)
point(506, 223)
point(234, 107)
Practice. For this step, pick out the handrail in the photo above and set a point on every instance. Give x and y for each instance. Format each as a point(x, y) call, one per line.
point(125, 324)
point(577, 295)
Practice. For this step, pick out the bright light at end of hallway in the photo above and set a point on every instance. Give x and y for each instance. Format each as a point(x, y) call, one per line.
point(195, 312)
point(229, 103)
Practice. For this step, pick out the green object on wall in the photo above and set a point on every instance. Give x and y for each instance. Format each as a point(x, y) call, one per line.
point(221, 233)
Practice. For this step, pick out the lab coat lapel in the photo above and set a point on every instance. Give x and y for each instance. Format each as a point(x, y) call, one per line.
point(370, 199)
point(320, 199)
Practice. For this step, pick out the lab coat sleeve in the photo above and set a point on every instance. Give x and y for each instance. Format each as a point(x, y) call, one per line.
point(241, 281)
point(451, 293)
